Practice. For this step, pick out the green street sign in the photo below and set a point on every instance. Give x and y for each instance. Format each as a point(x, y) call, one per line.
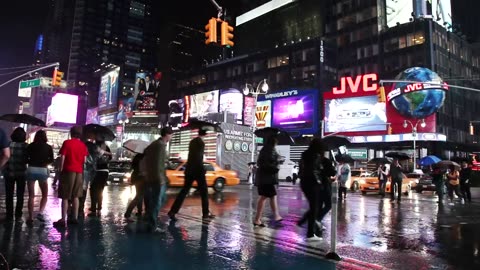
point(358, 153)
point(29, 83)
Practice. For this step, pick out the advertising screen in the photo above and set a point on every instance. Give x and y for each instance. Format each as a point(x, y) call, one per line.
point(63, 109)
point(179, 111)
point(107, 96)
point(263, 113)
point(296, 112)
point(231, 100)
point(203, 104)
point(92, 116)
point(355, 114)
point(249, 106)
point(146, 91)
point(398, 11)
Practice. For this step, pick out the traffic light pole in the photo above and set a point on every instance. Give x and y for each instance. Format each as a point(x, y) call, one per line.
point(31, 71)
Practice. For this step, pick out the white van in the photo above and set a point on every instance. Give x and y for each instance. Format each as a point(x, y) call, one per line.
point(288, 170)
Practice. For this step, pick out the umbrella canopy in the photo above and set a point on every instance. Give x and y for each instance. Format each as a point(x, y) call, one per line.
point(23, 118)
point(99, 130)
point(380, 160)
point(282, 136)
point(198, 124)
point(428, 160)
point(398, 155)
point(334, 142)
point(344, 158)
point(136, 146)
point(445, 164)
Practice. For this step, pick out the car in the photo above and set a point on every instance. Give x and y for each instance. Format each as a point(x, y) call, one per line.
point(288, 171)
point(414, 179)
point(216, 177)
point(425, 183)
point(372, 184)
point(120, 171)
point(356, 176)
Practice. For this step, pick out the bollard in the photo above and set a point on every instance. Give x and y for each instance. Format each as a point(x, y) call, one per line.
point(333, 233)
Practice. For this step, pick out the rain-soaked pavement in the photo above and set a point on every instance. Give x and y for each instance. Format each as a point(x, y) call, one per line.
point(372, 234)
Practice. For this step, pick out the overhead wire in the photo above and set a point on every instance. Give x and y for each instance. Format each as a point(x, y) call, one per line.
point(31, 66)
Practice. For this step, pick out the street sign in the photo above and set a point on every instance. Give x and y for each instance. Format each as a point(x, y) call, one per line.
point(358, 153)
point(29, 83)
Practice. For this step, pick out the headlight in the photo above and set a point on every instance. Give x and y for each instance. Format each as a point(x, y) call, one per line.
point(128, 175)
point(362, 182)
point(416, 181)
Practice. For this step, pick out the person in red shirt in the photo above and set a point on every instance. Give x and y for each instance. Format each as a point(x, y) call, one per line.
point(73, 156)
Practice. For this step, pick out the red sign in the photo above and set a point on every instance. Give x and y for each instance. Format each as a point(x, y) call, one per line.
point(349, 84)
point(415, 87)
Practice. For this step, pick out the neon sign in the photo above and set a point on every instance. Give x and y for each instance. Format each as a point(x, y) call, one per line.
point(368, 81)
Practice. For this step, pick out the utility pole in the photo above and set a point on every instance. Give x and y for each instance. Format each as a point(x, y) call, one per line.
point(56, 65)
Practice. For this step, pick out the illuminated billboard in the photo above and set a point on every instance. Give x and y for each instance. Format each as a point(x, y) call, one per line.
point(92, 116)
point(107, 96)
point(231, 101)
point(249, 107)
point(63, 109)
point(355, 114)
point(203, 104)
point(442, 12)
point(263, 114)
point(297, 112)
point(398, 12)
point(146, 91)
point(179, 110)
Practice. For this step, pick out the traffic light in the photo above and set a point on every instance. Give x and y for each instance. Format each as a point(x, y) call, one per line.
point(211, 33)
point(57, 77)
point(226, 35)
point(381, 94)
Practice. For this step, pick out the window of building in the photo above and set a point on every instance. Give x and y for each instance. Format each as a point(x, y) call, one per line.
point(137, 9)
point(278, 61)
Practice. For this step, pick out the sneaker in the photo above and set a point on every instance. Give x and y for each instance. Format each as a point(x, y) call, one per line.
point(59, 224)
point(314, 238)
point(41, 217)
point(29, 222)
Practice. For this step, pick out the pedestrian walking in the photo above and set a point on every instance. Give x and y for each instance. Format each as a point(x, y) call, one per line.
point(194, 171)
point(453, 185)
point(382, 172)
point(438, 181)
point(137, 179)
point(314, 172)
point(396, 178)
point(89, 170)
point(4, 148)
point(73, 155)
point(14, 173)
point(101, 176)
point(267, 178)
point(344, 175)
point(153, 164)
point(39, 156)
point(465, 174)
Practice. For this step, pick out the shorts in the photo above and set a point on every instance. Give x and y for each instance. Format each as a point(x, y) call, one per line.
point(37, 173)
point(70, 186)
point(268, 190)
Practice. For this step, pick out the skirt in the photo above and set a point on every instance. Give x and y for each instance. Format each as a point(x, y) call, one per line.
point(267, 190)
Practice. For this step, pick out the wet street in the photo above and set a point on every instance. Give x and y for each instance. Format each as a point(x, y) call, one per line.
point(372, 234)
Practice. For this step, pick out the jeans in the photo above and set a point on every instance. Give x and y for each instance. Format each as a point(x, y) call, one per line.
point(96, 190)
point(156, 194)
point(465, 188)
point(324, 203)
point(138, 200)
point(396, 185)
point(383, 185)
point(342, 190)
point(312, 194)
point(9, 190)
point(202, 187)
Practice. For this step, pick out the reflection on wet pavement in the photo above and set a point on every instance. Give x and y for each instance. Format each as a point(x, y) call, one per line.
point(372, 233)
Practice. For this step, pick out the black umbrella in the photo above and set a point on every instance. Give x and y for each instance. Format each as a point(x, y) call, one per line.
point(334, 142)
point(23, 118)
point(344, 158)
point(282, 136)
point(445, 164)
point(380, 160)
point(198, 124)
point(398, 155)
point(99, 130)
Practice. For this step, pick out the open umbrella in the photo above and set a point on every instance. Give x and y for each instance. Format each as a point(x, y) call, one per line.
point(344, 158)
point(282, 136)
point(334, 142)
point(99, 130)
point(428, 160)
point(198, 124)
point(23, 118)
point(398, 155)
point(136, 146)
point(445, 164)
point(380, 160)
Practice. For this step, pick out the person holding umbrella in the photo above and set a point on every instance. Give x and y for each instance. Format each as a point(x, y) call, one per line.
point(465, 174)
point(138, 179)
point(396, 174)
point(101, 176)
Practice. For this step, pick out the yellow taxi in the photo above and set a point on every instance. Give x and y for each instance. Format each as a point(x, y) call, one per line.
point(372, 184)
point(216, 177)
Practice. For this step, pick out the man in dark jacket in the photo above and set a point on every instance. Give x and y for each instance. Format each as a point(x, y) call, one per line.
point(465, 174)
point(396, 174)
point(194, 171)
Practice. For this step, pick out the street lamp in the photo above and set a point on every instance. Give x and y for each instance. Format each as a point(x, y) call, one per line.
point(261, 89)
point(122, 122)
point(414, 134)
